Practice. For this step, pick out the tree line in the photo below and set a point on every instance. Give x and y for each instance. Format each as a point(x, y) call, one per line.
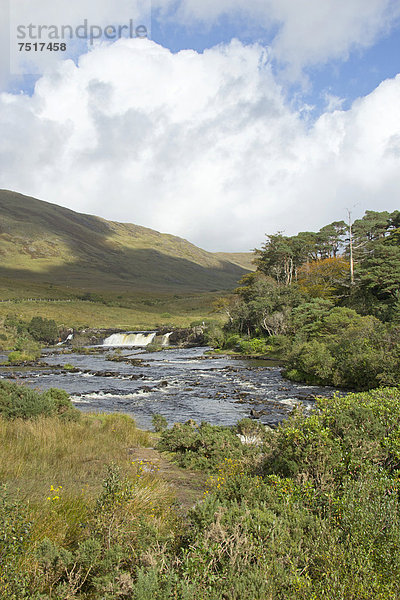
point(326, 302)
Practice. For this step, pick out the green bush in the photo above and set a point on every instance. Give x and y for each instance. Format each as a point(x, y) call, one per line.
point(311, 362)
point(232, 342)
point(43, 330)
point(202, 446)
point(343, 437)
point(342, 348)
point(71, 368)
point(214, 336)
point(153, 348)
point(15, 323)
point(159, 423)
point(16, 357)
point(26, 350)
point(20, 402)
point(250, 427)
point(254, 346)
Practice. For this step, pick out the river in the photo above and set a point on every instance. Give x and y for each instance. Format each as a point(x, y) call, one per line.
point(180, 384)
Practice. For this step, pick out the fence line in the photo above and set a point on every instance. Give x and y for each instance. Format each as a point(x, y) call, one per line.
point(19, 300)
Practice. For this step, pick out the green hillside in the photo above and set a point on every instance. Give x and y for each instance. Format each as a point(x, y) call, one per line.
point(241, 259)
point(45, 243)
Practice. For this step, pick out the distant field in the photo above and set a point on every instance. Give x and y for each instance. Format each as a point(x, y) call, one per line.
point(143, 312)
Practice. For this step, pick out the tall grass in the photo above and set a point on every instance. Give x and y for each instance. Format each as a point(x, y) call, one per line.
point(74, 503)
point(44, 452)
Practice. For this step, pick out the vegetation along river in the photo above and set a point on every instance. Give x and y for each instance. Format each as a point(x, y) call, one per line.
point(180, 384)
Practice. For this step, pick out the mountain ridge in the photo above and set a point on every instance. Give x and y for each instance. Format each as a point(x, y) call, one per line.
point(44, 241)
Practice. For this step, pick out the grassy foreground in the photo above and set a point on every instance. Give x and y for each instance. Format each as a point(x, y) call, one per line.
point(309, 512)
point(72, 491)
point(40, 453)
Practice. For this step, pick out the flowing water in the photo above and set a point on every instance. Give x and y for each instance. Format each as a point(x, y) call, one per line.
point(133, 339)
point(179, 384)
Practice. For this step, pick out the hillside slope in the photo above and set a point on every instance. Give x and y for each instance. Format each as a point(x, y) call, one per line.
point(241, 259)
point(40, 241)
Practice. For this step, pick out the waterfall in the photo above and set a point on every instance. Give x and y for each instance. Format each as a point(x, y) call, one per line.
point(165, 340)
point(130, 339)
point(68, 339)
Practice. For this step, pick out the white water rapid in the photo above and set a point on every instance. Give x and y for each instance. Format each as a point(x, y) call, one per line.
point(130, 339)
point(165, 340)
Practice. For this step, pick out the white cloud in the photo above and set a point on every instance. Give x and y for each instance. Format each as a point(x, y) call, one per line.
point(333, 102)
point(309, 31)
point(200, 145)
point(301, 32)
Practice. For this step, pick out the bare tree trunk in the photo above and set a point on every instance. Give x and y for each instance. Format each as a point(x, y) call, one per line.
point(351, 248)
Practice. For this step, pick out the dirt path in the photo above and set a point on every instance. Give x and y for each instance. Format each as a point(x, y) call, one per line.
point(188, 485)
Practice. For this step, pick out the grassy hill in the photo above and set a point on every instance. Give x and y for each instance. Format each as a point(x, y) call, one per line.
point(241, 259)
point(45, 243)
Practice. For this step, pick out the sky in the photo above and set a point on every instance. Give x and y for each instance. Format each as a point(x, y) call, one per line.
point(230, 121)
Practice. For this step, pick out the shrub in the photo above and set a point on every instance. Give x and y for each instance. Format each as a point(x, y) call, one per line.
point(17, 401)
point(250, 428)
point(61, 404)
point(311, 362)
point(202, 446)
point(214, 336)
point(17, 324)
point(232, 341)
point(16, 357)
point(43, 330)
point(343, 437)
point(70, 368)
point(359, 363)
point(153, 348)
point(254, 346)
point(26, 350)
point(320, 521)
point(159, 423)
